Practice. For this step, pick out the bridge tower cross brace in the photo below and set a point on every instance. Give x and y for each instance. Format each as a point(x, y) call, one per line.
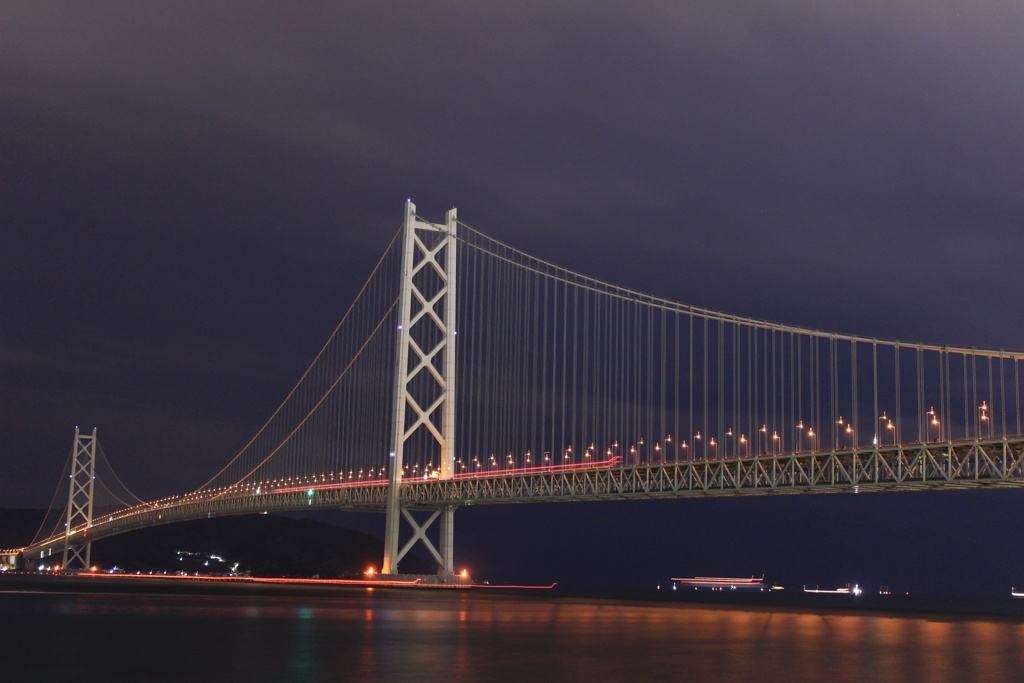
point(426, 336)
point(80, 497)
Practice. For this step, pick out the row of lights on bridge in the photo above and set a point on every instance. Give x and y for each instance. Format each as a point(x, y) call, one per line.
point(772, 443)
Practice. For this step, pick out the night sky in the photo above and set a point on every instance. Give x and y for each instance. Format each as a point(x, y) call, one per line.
point(191, 194)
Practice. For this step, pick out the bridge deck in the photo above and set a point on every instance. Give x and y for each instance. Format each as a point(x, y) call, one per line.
point(919, 466)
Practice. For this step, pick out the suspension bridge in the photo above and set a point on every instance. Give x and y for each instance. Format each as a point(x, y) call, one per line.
point(467, 372)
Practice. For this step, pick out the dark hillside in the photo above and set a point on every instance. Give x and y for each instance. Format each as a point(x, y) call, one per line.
point(266, 545)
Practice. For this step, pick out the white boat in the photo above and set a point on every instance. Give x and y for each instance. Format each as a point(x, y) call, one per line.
point(845, 590)
point(720, 583)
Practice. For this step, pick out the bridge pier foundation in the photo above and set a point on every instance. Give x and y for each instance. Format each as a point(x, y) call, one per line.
point(447, 570)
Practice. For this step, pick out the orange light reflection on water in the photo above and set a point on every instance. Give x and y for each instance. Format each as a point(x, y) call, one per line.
point(472, 635)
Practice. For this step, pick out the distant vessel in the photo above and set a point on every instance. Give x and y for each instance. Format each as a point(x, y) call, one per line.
point(1016, 593)
point(845, 590)
point(722, 583)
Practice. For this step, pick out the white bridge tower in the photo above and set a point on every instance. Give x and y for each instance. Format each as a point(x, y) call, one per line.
point(424, 396)
point(80, 495)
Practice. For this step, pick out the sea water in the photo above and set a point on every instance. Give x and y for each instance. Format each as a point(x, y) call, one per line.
point(397, 635)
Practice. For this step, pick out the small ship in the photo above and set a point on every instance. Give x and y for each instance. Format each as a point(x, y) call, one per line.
point(723, 583)
point(845, 590)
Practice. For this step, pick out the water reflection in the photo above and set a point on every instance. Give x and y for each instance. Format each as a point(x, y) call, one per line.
point(465, 637)
point(301, 660)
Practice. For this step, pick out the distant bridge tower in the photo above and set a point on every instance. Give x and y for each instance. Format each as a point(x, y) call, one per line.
point(424, 396)
point(80, 497)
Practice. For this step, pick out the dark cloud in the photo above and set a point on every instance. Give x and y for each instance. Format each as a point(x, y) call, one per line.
point(191, 192)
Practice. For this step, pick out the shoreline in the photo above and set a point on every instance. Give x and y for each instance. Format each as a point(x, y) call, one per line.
point(910, 606)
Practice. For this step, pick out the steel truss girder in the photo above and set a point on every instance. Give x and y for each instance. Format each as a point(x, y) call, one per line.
point(925, 466)
point(201, 505)
point(945, 465)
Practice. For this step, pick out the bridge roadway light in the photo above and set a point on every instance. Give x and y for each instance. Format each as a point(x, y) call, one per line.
point(934, 422)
